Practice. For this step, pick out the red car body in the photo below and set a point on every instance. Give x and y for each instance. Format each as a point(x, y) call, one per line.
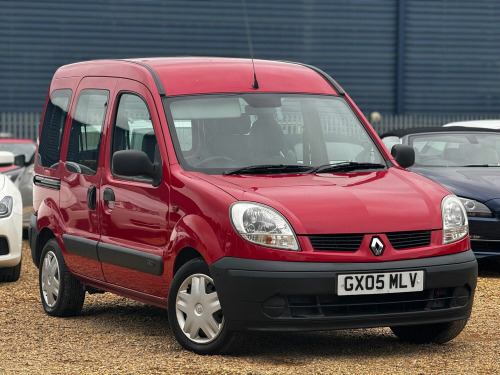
point(187, 214)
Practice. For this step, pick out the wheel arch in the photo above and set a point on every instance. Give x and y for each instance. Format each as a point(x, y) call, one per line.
point(43, 237)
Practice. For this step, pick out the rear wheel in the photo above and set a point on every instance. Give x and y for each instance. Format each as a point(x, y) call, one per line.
point(10, 273)
point(60, 292)
point(438, 333)
point(194, 310)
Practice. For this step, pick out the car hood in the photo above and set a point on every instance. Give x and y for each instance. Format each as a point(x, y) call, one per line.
point(392, 200)
point(479, 183)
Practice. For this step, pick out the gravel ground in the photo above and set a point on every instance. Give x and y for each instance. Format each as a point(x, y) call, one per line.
point(119, 336)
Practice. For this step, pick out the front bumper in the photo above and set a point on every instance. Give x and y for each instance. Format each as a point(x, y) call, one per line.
point(485, 237)
point(10, 240)
point(289, 296)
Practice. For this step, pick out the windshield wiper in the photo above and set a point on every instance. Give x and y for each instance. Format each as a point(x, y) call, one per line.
point(269, 169)
point(480, 165)
point(346, 167)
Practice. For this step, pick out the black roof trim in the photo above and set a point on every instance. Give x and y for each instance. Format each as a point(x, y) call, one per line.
point(448, 129)
point(325, 76)
point(159, 85)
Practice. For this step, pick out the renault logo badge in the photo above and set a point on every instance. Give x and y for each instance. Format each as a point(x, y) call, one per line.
point(377, 246)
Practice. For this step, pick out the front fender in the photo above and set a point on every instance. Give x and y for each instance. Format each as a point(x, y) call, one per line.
point(192, 231)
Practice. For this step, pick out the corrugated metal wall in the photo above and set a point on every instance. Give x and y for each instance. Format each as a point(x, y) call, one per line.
point(441, 56)
point(452, 56)
point(353, 41)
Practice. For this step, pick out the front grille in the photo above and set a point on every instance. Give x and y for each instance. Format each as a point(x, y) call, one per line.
point(4, 246)
point(307, 306)
point(408, 240)
point(352, 242)
point(486, 246)
point(336, 242)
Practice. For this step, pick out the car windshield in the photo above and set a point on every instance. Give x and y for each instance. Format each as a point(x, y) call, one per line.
point(456, 149)
point(26, 149)
point(268, 133)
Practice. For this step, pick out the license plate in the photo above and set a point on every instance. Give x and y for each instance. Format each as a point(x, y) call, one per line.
point(380, 283)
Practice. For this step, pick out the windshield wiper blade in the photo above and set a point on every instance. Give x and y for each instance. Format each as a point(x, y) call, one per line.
point(346, 167)
point(269, 169)
point(480, 165)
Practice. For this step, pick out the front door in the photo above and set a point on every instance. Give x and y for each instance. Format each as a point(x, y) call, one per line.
point(134, 211)
point(81, 176)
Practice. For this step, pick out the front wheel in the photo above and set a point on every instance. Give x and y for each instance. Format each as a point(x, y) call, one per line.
point(61, 293)
point(194, 310)
point(438, 333)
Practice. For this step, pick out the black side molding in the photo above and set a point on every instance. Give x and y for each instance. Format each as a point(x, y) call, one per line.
point(131, 259)
point(47, 182)
point(81, 246)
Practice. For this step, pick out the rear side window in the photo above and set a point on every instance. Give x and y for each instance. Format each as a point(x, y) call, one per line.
point(49, 151)
point(86, 130)
point(133, 129)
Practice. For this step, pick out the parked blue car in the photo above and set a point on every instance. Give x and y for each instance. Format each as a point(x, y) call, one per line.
point(466, 162)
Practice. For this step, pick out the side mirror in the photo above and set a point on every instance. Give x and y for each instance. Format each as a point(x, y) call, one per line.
point(6, 158)
point(404, 155)
point(135, 163)
point(20, 160)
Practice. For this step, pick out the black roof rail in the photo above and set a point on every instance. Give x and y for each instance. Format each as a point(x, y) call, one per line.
point(325, 76)
point(159, 85)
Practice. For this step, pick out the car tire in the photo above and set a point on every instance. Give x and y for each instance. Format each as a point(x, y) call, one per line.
point(195, 316)
point(438, 333)
point(10, 274)
point(60, 292)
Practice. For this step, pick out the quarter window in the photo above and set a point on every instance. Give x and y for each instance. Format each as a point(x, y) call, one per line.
point(86, 131)
point(56, 113)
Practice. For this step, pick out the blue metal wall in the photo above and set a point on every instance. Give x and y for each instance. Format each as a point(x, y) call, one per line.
point(441, 56)
point(353, 41)
point(452, 56)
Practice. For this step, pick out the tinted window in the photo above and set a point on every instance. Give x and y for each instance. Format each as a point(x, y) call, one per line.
point(86, 131)
point(53, 128)
point(133, 129)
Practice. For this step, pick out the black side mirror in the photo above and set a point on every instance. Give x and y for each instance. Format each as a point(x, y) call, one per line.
point(135, 163)
point(404, 155)
point(20, 160)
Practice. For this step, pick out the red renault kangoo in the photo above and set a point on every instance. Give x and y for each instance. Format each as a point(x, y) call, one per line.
point(240, 197)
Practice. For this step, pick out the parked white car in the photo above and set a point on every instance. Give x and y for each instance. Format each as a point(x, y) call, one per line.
point(485, 124)
point(11, 224)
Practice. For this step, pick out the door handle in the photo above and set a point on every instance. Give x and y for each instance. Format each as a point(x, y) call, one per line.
point(108, 195)
point(92, 197)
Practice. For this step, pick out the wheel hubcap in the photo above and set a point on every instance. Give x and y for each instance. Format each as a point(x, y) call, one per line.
point(50, 279)
point(198, 309)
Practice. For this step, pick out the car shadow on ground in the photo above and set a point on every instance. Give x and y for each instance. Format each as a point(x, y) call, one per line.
point(489, 268)
point(141, 320)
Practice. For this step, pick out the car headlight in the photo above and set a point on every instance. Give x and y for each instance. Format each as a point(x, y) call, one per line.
point(455, 224)
point(263, 225)
point(475, 208)
point(5, 207)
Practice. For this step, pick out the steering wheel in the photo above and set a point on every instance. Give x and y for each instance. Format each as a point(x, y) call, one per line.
point(217, 161)
point(74, 165)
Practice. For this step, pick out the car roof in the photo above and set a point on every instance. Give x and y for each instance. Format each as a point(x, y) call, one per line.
point(197, 75)
point(422, 130)
point(490, 124)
